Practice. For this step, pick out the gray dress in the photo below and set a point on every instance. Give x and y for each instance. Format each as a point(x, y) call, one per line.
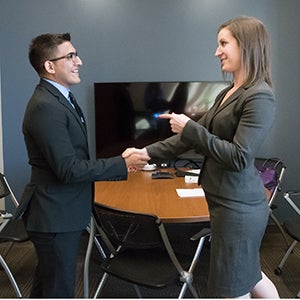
point(237, 231)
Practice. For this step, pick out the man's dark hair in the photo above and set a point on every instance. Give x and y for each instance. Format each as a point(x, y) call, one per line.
point(43, 47)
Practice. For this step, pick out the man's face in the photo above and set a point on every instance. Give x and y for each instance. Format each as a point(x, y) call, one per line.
point(64, 71)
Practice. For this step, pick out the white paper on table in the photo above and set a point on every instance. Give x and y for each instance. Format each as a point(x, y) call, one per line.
point(196, 192)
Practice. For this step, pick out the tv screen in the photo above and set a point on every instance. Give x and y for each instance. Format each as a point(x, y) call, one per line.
point(126, 112)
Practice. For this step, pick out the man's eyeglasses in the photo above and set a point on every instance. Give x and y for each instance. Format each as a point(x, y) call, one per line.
point(70, 56)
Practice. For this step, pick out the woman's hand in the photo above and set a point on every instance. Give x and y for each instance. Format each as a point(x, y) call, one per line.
point(177, 122)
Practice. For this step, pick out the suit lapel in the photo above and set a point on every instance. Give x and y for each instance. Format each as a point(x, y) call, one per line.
point(217, 108)
point(230, 99)
point(63, 101)
point(214, 111)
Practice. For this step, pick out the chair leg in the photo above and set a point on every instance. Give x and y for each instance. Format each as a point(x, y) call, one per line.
point(188, 276)
point(137, 290)
point(92, 239)
point(97, 243)
point(191, 288)
point(10, 277)
point(99, 247)
point(193, 291)
point(278, 271)
point(87, 260)
point(183, 291)
point(101, 285)
point(280, 228)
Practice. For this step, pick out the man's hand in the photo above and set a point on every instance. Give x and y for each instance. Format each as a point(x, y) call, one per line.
point(177, 122)
point(135, 158)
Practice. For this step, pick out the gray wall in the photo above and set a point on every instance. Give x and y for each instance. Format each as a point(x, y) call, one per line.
point(144, 40)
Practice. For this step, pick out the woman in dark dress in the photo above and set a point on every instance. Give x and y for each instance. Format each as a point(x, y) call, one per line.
point(229, 136)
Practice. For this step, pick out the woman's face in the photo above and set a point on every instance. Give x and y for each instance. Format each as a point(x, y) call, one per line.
point(228, 51)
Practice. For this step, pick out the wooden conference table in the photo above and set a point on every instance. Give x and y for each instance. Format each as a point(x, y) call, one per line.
point(141, 193)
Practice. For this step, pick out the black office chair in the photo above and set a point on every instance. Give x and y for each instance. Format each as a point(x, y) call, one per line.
point(274, 186)
point(11, 231)
point(292, 226)
point(139, 251)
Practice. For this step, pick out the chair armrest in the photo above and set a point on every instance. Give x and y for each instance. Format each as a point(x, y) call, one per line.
point(5, 215)
point(288, 197)
point(293, 192)
point(202, 233)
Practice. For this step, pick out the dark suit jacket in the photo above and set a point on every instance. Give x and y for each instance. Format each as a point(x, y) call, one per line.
point(229, 136)
point(59, 195)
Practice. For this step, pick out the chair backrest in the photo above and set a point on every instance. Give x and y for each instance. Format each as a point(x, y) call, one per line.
point(272, 171)
point(128, 229)
point(5, 190)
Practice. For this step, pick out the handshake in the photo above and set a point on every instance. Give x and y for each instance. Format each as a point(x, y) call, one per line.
point(135, 158)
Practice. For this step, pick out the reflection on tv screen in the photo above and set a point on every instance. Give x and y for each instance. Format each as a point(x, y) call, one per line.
point(126, 112)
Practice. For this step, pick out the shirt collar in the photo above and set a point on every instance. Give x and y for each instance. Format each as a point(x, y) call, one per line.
point(60, 87)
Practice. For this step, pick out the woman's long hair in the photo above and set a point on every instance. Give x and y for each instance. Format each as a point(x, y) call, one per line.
point(254, 43)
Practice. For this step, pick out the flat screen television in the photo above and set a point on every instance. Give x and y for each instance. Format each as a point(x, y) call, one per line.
point(126, 112)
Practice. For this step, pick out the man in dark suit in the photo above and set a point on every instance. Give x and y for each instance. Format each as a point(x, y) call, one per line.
point(56, 204)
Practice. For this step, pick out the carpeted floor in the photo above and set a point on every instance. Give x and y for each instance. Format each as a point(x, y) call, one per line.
point(22, 261)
